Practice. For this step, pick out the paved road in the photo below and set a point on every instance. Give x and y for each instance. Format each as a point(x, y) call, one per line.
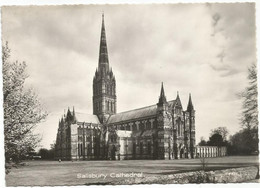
point(89, 172)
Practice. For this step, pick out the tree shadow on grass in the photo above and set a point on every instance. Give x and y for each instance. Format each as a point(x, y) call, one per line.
point(99, 183)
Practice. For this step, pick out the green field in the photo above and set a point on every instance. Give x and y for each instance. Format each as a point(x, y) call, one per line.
point(67, 173)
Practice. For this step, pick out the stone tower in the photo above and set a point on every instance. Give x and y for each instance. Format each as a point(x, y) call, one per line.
point(104, 83)
point(191, 119)
point(164, 121)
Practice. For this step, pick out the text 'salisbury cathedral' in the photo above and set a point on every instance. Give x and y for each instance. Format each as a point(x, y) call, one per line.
point(160, 131)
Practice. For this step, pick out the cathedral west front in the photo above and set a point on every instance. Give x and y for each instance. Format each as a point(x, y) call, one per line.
point(164, 130)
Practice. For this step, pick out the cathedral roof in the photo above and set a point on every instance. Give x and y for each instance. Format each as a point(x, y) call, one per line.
point(87, 118)
point(148, 133)
point(136, 113)
point(172, 103)
point(122, 133)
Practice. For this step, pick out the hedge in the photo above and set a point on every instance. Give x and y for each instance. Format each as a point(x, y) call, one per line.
point(233, 175)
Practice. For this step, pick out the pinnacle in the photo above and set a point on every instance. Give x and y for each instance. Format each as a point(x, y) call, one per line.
point(162, 98)
point(190, 105)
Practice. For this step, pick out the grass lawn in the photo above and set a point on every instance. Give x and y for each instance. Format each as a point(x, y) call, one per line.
point(67, 173)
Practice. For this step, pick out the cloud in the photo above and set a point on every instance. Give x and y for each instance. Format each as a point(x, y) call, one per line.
point(237, 28)
point(216, 17)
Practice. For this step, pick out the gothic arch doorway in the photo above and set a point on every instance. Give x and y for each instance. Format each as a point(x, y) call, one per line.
point(141, 150)
point(113, 153)
point(134, 150)
point(155, 150)
point(181, 153)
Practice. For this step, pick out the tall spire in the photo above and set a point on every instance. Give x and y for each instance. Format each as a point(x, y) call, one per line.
point(104, 83)
point(190, 105)
point(103, 63)
point(162, 98)
point(73, 115)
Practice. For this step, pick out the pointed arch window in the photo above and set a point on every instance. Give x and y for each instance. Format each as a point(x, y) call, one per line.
point(88, 150)
point(107, 105)
point(148, 125)
point(149, 148)
point(100, 89)
point(179, 127)
point(114, 107)
point(80, 149)
point(141, 126)
point(141, 148)
point(134, 127)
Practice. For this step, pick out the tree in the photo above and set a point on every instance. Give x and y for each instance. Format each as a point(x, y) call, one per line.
point(249, 96)
point(22, 110)
point(216, 140)
point(223, 131)
point(202, 142)
point(46, 153)
point(244, 142)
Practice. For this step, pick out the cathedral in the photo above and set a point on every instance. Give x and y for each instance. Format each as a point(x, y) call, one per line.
point(163, 130)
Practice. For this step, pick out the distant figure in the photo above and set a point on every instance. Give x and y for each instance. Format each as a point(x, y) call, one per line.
point(59, 160)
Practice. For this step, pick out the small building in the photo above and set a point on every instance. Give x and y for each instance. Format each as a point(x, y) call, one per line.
point(211, 151)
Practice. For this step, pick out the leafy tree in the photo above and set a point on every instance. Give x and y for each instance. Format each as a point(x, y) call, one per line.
point(46, 153)
point(223, 131)
point(244, 142)
point(216, 140)
point(249, 96)
point(22, 110)
point(202, 142)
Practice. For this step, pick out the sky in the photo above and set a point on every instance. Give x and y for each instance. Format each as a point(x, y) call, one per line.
point(202, 49)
